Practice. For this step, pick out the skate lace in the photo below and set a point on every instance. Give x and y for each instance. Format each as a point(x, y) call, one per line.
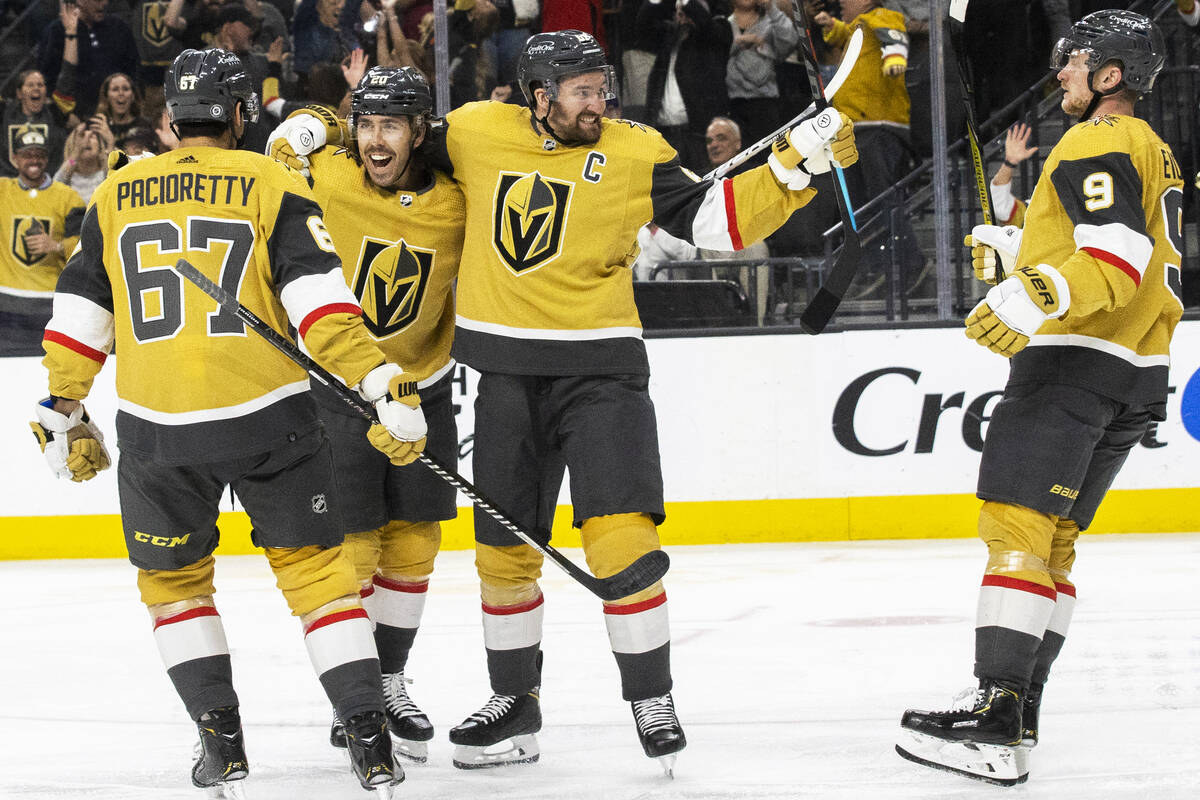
point(494, 709)
point(967, 699)
point(395, 695)
point(654, 714)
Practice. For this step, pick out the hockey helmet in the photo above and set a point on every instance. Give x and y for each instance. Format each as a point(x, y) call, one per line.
point(549, 57)
point(391, 91)
point(1126, 37)
point(206, 86)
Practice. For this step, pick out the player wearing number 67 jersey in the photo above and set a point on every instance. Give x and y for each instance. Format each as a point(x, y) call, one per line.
point(1087, 317)
point(204, 404)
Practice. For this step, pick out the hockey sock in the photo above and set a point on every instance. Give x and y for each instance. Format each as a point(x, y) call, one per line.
point(640, 635)
point(1062, 558)
point(513, 637)
point(342, 650)
point(191, 641)
point(396, 607)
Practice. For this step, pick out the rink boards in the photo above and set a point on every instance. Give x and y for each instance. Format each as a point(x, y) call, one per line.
point(859, 435)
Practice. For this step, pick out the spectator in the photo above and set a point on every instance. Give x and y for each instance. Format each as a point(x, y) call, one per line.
point(157, 46)
point(686, 85)
point(138, 141)
point(101, 45)
point(85, 158)
point(156, 112)
point(318, 36)
point(574, 15)
point(45, 220)
point(194, 23)
point(762, 36)
point(469, 24)
point(722, 141)
point(1007, 209)
point(29, 109)
point(1189, 10)
point(996, 36)
point(120, 105)
point(518, 20)
point(269, 25)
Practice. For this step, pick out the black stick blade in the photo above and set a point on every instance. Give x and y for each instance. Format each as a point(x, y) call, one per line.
point(641, 574)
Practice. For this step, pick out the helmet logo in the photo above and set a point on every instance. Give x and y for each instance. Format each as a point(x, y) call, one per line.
point(187, 82)
point(379, 80)
point(215, 111)
point(540, 49)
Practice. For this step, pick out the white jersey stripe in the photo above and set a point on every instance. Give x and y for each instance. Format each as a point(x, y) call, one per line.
point(546, 334)
point(1122, 241)
point(1103, 345)
point(710, 227)
point(210, 414)
point(305, 295)
point(78, 318)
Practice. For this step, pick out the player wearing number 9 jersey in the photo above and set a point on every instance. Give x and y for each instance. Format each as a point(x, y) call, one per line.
point(205, 404)
point(1087, 316)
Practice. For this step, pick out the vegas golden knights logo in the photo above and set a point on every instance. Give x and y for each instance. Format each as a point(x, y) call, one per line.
point(22, 227)
point(154, 24)
point(528, 218)
point(390, 283)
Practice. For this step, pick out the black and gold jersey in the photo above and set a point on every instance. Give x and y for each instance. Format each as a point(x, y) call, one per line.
point(193, 383)
point(1107, 212)
point(545, 285)
point(56, 209)
point(400, 252)
point(869, 95)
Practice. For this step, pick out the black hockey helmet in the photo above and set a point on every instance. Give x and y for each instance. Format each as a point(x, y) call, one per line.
point(549, 57)
point(206, 86)
point(391, 92)
point(1126, 37)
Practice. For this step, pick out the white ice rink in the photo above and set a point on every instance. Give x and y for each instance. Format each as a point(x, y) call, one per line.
point(792, 665)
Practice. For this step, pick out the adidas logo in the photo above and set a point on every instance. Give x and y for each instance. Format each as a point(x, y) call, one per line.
point(187, 160)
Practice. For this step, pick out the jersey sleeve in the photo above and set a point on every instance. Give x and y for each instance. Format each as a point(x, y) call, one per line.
point(1102, 198)
point(308, 278)
point(728, 214)
point(79, 335)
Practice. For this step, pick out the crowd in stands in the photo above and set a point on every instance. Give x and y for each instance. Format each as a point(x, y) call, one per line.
point(712, 75)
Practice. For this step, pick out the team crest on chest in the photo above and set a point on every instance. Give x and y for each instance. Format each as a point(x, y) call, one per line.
point(20, 227)
point(528, 216)
point(390, 282)
point(154, 24)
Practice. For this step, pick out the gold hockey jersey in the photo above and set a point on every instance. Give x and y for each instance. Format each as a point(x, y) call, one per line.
point(58, 210)
point(193, 383)
point(1107, 212)
point(400, 252)
point(545, 286)
point(869, 95)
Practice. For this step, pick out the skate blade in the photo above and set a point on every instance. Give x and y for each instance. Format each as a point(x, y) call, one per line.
point(232, 790)
point(387, 791)
point(990, 763)
point(519, 750)
point(668, 765)
point(416, 752)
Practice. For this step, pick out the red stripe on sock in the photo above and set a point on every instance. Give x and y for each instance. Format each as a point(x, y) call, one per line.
point(502, 611)
point(400, 586)
point(637, 608)
point(1005, 582)
point(1116, 261)
point(366, 591)
point(75, 346)
point(735, 235)
point(340, 616)
point(184, 616)
point(1065, 588)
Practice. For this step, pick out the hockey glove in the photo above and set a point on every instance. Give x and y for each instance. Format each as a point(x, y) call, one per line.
point(812, 147)
point(1013, 310)
point(304, 132)
point(73, 445)
point(400, 432)
point(985, 242)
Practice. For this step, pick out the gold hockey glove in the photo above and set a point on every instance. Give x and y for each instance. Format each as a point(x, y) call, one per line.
point(401, 431)
point(72, 444)
point(1014, 309)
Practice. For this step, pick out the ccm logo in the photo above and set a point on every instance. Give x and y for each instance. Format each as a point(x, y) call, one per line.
point(161, 541)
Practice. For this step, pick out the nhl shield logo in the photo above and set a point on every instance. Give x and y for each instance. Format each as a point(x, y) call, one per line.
point(390, 283)
point(529, 214)
point(22, 227)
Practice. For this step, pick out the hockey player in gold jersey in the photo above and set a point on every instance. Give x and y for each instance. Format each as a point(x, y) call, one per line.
point(555, 196)
point(41, 221)
point(204, 405)
point(398, 227)
point(1087, 316)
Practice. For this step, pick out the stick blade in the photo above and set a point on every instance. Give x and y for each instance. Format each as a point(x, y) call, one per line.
point(641, 574)
point(958, 10)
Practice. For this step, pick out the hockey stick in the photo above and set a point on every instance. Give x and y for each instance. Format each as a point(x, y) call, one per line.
point(843, 71)
point(958, 17)
point(639, 575)
point(820, 309)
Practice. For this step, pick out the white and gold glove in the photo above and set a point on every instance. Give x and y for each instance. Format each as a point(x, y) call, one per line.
point(304, 132)
point(73, 445)
point(813, 147)
point(1014, 309)
point(986, 241)
point(401, 430)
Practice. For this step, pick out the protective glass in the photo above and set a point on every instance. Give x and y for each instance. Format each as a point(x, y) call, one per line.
point(1060, 56)
point(586, 94)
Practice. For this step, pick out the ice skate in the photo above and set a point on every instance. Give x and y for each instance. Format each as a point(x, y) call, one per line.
point(410, 728)
point(1031, 707)
point(980, 739)
point(337, 732)
point(659, 730)
point(500, 733)
point(221, 763)
point(369, 748)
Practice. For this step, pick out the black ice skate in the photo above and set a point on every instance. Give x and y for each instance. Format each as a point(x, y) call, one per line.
point(221, 754)
point(506, 720)
point(979, 740)
point(369, 748)
point(410, 728)
point(1030, 710)
point(659, 730)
